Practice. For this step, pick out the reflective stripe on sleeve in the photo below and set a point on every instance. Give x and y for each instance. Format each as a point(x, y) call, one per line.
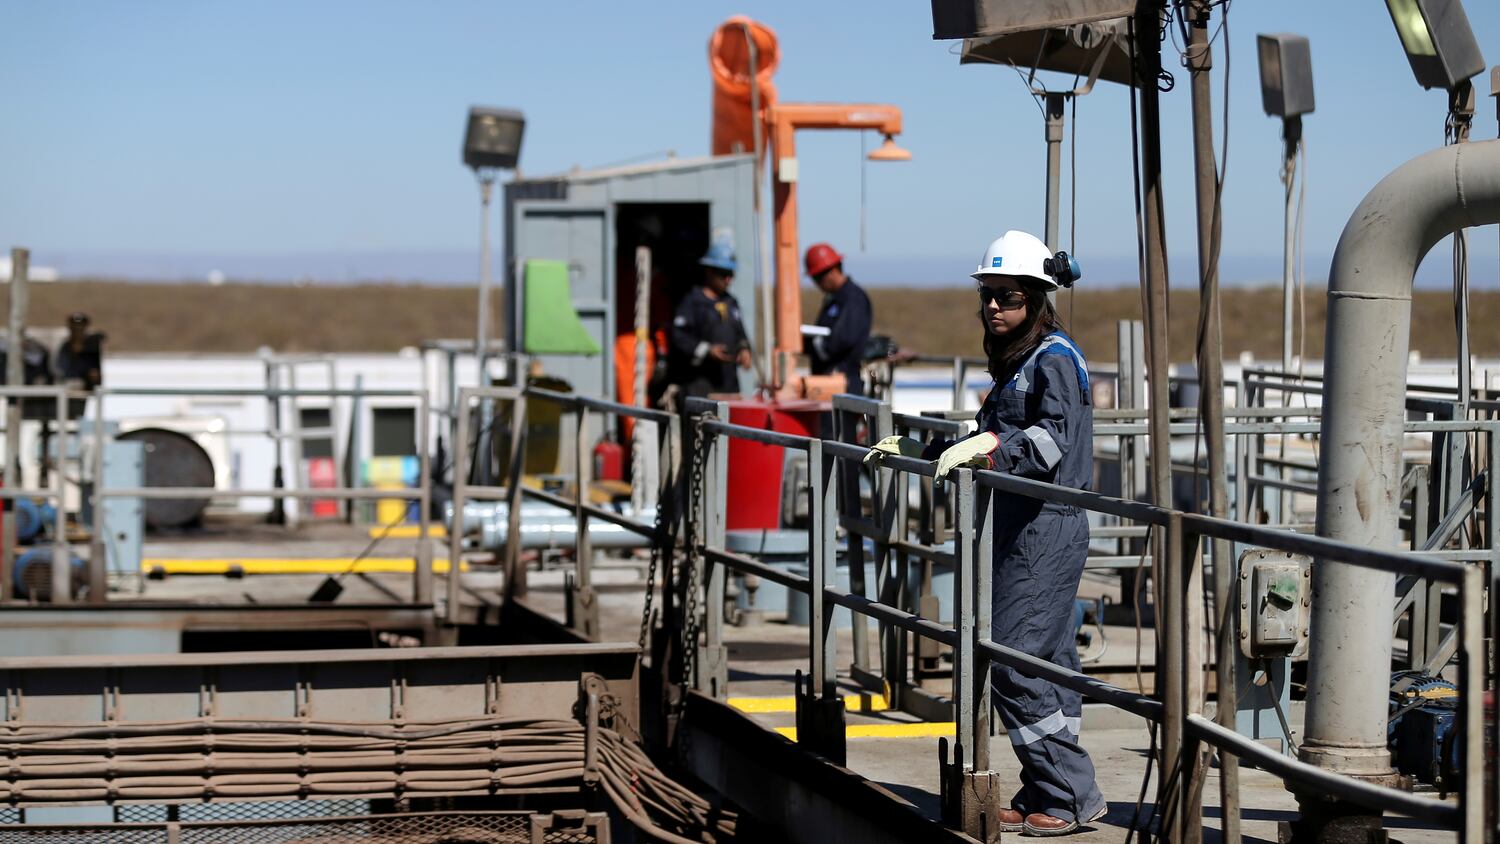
point(1046, 447)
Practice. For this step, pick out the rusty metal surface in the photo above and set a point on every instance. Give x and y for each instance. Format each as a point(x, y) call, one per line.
point(125, 628)
point(374, 685)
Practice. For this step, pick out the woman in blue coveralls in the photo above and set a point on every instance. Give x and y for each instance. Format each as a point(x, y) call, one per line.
point(1037, 422)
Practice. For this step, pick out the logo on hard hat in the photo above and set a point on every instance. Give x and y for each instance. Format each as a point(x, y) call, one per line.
point(996, 261)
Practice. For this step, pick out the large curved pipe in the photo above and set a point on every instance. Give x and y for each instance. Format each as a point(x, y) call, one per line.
point(1368, 332)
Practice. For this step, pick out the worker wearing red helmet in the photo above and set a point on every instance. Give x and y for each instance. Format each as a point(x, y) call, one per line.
point(836, 342)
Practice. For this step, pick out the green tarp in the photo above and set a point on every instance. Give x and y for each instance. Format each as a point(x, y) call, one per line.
point(551, 324)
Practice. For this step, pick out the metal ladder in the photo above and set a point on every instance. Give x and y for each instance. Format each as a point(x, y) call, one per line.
point(281, 374)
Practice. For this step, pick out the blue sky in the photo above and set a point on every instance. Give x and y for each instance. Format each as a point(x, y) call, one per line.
point(287, 138)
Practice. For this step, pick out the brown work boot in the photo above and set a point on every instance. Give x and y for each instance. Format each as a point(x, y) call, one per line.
point(1043, 826)
point(1010, 820)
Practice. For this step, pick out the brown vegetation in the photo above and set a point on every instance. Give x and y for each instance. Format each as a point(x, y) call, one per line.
point(151, 317)
point(944, 321)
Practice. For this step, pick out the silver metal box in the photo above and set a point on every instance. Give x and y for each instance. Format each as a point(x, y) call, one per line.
point(1286, 82)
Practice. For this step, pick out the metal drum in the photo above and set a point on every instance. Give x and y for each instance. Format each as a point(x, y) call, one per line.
point(173, 459)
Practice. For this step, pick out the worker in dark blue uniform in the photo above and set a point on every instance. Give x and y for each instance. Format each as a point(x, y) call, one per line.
point(1036, 422)
point(708, 339)
point(836, 343)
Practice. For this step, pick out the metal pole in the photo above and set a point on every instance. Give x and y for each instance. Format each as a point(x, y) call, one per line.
point(98, 556)
point(1211, 397)
point(1170, 618)
point(1471, 663)
point(62, 568)
point(482, 329)
point(484, 453)
point(20, 260)
point(584, 612)
point(822, 558)
point(640, 483)
point(713, 664)
point(1163, 567)
point(1054, 110)
point(460, 492)
point(1291, 134)
point(421, 587)
point(515, 568)
point(762, 245)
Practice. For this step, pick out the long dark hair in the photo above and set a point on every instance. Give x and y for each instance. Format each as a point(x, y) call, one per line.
point(1006, 354)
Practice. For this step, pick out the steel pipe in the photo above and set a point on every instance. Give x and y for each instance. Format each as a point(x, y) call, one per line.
point(1367, 338)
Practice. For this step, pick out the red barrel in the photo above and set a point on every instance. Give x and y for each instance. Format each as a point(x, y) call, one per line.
point(755, 469)
point(609, 461)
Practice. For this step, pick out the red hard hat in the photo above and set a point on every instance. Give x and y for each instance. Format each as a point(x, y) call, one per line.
point(820, 258)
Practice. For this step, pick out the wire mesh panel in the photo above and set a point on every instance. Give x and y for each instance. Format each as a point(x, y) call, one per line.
point(254, 810)
point(413, 828)
point(83, 835)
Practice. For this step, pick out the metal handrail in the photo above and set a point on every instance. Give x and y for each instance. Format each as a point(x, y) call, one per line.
point(1202, 526)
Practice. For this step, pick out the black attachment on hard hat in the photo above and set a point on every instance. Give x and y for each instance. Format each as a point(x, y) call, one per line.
point(1063, 268)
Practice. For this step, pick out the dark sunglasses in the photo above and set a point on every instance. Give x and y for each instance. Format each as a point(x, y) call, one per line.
point(1008, 300)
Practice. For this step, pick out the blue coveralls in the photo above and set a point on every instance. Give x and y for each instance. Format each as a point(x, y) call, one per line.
point(1045, 422)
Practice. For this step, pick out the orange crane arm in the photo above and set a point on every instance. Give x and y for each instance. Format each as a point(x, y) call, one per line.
point(785, 119)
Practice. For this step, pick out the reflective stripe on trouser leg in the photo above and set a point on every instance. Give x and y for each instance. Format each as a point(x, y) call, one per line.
point(1037, 570)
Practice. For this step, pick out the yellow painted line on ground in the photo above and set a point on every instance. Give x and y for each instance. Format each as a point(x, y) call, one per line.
point(409, 532)
point(922, 730)
point(295, 565)
point(774, 705)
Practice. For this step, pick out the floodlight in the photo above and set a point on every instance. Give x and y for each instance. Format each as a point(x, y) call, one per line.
point(493, 138)
point(1438, 41)
point(1286, 84)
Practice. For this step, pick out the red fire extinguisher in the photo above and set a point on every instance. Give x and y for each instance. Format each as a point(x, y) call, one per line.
point(609, 460)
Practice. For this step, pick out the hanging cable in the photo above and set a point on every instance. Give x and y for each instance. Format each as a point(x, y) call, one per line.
point(864, 164)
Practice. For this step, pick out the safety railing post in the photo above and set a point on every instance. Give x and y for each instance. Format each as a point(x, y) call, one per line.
point(421, 587)
point(892, 568)
point(98, 556)
point(970, 787)
point(713, 660)
point(820, 710)
point(1472, 659)
point(583, 609)
point(1171, 675)
point(62, 569)
point(672, 505)
point(1191, 623)
point(515, 567)
point(845, 430)
point(460, 493)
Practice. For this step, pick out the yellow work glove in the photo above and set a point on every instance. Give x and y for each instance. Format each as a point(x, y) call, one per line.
point(974, 451)
point(899, 446)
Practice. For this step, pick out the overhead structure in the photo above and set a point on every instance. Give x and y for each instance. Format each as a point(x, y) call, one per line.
point(978, 18)
point(1090, 51)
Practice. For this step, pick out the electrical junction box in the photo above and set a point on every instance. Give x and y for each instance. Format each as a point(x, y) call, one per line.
point(1275, 603)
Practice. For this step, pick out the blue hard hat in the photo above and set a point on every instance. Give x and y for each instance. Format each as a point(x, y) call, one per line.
point(720, 256)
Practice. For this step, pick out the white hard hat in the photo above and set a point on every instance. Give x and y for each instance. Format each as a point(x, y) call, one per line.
point(1017, 253)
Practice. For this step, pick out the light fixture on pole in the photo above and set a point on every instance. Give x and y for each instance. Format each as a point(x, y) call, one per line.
point(492, 142)
point(1438, 41)
point(1286, 91)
